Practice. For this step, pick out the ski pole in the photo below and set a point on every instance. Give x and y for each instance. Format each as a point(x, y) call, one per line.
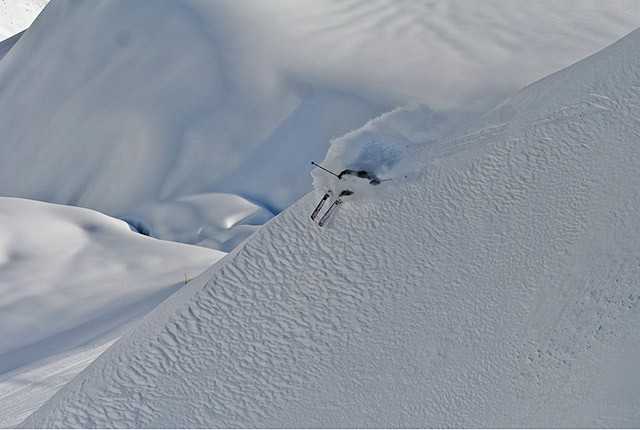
point(379, 181)
point(326, 170)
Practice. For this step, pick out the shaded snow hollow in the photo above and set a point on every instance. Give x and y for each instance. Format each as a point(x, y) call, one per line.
point(496, 287)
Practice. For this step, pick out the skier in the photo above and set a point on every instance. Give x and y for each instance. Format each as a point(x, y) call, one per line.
point(363, 174)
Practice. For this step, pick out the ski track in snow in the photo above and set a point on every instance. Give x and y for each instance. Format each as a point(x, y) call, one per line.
point(493, 290)
point(21, 390)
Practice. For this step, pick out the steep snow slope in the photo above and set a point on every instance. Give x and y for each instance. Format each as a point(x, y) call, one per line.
point(23, 390)
point(447, 54)
point(85, 119)
point(495, 287)
point(184, 106)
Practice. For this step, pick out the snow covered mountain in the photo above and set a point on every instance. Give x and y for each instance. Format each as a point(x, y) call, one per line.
point(493, 282)
point(168, 158)
point(196, 121)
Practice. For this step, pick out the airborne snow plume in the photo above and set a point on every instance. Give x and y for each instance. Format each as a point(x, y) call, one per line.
point(389, 148)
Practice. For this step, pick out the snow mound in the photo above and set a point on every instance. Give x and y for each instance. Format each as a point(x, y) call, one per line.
point(71, 278)
point(72, 281)
point(498, 288)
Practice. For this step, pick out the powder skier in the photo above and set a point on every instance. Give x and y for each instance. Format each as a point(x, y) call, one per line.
point(363, 174)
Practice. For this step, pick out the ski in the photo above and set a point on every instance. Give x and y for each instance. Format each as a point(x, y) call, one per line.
point(319, 207)
point(333, 207)
point(327, 214)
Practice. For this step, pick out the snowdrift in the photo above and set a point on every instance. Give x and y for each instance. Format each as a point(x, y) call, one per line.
point(496, 287)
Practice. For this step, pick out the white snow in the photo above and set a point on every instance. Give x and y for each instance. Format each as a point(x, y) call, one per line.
point(488, 281)
point(23, 390)
point(72, 279)
point(134, 147)
point(387, 148)
point(52, 256)
point(17, 15)
point(496, 287)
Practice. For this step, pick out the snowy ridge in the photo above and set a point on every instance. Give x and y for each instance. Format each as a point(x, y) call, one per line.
point(495, 288)
point(6, 45)
point(140, 123)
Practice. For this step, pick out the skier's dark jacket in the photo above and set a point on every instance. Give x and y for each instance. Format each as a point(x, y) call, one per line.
point(373, 179)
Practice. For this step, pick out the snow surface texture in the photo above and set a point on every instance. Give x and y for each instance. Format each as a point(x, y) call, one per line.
point(496, 288)
point(24, 390)
point(72, 279)
point(183, 107)
point(160, 120)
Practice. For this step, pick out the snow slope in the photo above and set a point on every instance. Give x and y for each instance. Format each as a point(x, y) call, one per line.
point(71, 280)
point(50, 258)
point(181, 107)
point(24, 390)
point(494, 287)
point(195, 121)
